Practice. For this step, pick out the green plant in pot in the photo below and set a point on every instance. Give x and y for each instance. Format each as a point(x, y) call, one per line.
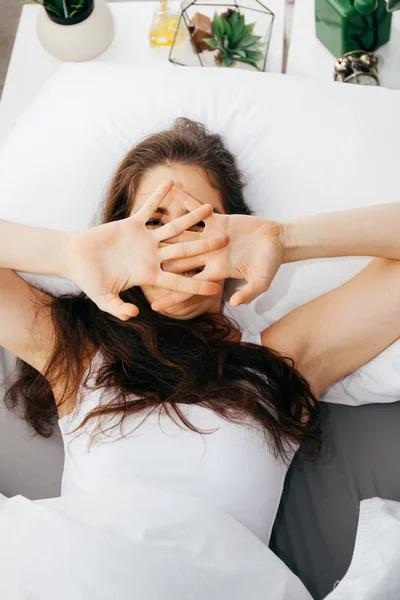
point(235, 41)
point(74, 30)
point(67, 12)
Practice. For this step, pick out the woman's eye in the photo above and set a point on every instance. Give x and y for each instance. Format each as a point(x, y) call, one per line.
point(154, 223)
point(200, 224)
point(158, 223)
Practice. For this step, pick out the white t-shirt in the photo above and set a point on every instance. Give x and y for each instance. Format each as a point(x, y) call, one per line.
point(231, 468)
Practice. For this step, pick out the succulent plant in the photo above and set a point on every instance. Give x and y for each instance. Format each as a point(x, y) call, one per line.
point(235, 40)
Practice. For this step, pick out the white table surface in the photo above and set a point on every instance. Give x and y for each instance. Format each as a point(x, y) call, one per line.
point(308, 57)
point(30, 65)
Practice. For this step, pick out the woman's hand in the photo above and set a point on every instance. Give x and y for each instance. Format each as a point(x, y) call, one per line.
point(114, 257)
point(254, 253)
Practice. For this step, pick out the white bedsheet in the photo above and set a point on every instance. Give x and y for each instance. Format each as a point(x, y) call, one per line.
point(134, 542)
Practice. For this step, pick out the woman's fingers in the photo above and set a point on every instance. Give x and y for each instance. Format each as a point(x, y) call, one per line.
point(188, 201)
point(191, 203)
point(184, 250)
point(153, 202)
point(181, 265)
point(257, 284)
point(112, 304)
point(177, 226)
point(251, 290)
point(168, 300)
point(187, 285)
point(174, 298)
point(186, 236)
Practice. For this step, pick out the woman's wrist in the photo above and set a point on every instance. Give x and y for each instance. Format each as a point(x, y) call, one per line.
point(68, 254)
point(300, 240)
point(321, 236)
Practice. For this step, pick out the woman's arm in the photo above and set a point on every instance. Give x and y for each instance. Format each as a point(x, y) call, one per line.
point(33, 249)
point(369, 231)
point(102, 261)
point(258, 246)
point(25, 313)
point(337, 333)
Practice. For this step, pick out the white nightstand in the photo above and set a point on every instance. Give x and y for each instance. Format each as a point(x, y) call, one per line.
point(309, 58)
point(31, 65)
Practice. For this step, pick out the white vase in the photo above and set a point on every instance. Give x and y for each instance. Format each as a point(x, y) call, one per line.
point(83, 41)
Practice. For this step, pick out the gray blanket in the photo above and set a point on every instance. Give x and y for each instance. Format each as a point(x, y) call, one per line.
point(316, 525)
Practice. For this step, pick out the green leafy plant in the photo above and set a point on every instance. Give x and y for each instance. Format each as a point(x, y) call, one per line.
point(64, 9)
point(235, 40)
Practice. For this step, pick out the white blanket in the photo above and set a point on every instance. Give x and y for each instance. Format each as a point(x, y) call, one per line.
point(374, 572)
point(147, 544)
point(137, 543)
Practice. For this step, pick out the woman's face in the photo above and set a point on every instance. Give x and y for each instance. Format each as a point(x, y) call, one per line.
point(193, 181)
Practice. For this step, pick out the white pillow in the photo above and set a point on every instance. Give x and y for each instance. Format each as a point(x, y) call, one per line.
point(304, 147)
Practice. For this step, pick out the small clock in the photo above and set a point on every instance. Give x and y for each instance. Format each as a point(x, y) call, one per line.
point(358, 67)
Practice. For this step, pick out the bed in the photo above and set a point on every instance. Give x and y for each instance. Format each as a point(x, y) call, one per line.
point(316, 524)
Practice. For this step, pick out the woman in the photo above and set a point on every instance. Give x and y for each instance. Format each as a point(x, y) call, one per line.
point(144, 359)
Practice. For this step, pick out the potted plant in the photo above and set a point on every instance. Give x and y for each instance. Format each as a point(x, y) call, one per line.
point(75, 30)
point(237, 36)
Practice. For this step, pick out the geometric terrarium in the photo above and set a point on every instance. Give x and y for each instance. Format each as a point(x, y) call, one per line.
point(229, 34)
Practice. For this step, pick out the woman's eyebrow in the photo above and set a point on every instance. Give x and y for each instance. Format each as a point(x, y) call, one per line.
point(163, 211)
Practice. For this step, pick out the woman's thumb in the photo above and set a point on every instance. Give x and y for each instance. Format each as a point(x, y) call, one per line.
point(113, 304)
point(250, 292)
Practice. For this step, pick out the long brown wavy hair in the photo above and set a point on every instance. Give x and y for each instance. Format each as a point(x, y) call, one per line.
point(157, 362)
